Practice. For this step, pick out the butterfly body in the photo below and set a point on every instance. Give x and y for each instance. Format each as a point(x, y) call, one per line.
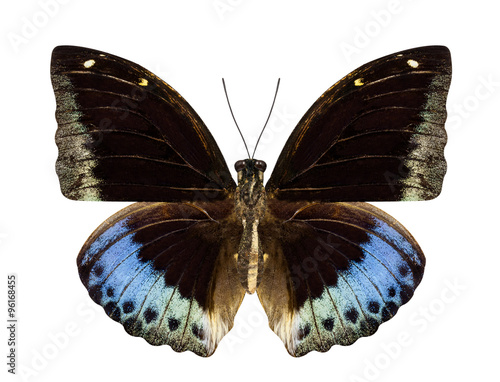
point(250, 207)
point(327, 267)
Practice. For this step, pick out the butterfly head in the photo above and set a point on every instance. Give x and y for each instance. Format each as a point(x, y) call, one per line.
point(250, 169)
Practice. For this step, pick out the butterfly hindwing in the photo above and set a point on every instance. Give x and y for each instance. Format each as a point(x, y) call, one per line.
point(167, 272)
point(376, 135)
point(334, 272)
point(125, 135)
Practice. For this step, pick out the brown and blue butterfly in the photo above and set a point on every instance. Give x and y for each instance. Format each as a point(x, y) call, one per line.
point(327, 267)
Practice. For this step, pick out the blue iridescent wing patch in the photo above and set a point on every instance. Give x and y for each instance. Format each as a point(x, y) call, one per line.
point(156, 269)
point(344, 268)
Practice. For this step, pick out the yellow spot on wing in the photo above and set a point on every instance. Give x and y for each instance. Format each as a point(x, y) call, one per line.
point(358, 82)
point(412, 63)
point(89, 63)
point(143, 82)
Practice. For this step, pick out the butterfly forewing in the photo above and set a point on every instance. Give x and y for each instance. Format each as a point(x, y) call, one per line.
point(166, 271)
point(126, 135)
point(335, 272)
point(377, 134)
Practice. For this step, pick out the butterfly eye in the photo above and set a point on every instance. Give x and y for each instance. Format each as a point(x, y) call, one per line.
point(239, 165)
point(260, 165)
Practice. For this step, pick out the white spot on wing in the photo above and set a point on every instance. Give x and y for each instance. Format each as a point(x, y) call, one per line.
point(412, 63)
point(89, 63)
point(358, 82)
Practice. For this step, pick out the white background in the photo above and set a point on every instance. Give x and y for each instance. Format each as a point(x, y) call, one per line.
point(448, 331)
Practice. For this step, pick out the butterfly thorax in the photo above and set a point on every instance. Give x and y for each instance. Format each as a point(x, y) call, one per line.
point(250, 208)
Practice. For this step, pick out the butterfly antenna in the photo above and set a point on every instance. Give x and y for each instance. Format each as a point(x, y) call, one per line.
point(234, 119)
point(267, 120)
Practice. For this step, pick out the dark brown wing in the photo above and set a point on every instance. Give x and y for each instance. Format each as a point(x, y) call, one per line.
point(334, 272)
point(126, 135)
point(377, 134)
point(167, 272)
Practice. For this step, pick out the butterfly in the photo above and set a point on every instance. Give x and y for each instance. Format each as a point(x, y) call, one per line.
point(327, 267)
